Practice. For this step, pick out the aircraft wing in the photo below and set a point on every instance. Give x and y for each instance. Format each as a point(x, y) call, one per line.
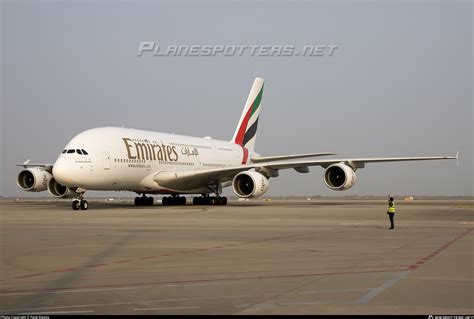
point(192, 179)
point(26, 164)
point(353, 162)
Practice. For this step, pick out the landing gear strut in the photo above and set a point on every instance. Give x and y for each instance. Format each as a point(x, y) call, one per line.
point(80, 203)
point(173, 200)
point(144, 201)
point(205, 199)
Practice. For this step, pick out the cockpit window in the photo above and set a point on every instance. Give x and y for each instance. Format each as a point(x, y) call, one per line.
point(71, 151)
point(84, 152)
point(79, 151)
point(64, 151)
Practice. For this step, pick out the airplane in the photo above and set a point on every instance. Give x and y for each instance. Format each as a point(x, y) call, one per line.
point(147, 163)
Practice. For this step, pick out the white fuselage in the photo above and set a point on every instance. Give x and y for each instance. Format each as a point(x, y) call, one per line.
point(128, 159)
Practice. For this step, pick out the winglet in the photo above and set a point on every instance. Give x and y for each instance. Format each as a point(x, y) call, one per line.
point(457, 158)
point(25, 163)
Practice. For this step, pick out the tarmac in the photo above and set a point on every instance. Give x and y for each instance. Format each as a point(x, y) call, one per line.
point(258, 257)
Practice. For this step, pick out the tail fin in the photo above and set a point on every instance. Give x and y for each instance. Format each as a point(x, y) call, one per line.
point(246, 131)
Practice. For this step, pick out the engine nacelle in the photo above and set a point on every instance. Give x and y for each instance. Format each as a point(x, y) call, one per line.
point(33, 179)
point(249, 184)
point(60, 191)
point(339, 177)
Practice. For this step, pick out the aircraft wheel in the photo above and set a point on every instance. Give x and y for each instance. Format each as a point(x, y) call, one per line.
point(182, 200)
point(223, 201)
point(84, 205)
point(165, 201)
point(137, 201)
point(75, 204)
point(150, 201)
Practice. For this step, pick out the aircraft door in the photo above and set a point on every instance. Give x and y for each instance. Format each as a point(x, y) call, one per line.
point(106, 159)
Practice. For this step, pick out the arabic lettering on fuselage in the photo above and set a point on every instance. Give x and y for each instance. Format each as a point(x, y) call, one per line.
point(185, 150)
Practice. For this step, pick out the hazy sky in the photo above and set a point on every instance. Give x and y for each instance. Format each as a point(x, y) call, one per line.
point(399, 84)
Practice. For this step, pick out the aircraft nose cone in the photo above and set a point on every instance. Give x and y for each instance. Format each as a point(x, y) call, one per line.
point(62, 172)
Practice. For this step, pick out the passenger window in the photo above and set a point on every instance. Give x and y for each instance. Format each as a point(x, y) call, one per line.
point(71, 151)
point(64, 151)
point(79, 151)
point(84, 152)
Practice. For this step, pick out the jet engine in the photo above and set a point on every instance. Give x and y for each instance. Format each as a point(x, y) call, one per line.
point(60, 191)
point(249, 184)
point(339, 177)
point(33, 179)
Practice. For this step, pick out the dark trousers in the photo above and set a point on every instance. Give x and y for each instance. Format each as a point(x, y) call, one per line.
point(391, 215)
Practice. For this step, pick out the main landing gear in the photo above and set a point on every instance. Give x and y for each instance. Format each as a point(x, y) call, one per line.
point(173, 200)
point(208, 200)
point(80, 203)
point(144, 201)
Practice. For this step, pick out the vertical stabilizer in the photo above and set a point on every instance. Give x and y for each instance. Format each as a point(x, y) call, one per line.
point(246, 131)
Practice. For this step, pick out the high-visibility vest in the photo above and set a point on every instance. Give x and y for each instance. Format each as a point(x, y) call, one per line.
point(391, 209)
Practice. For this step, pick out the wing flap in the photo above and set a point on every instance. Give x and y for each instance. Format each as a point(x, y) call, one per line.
point(287, 157)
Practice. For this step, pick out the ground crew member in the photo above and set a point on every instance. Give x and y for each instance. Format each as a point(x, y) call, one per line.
point(391, 212)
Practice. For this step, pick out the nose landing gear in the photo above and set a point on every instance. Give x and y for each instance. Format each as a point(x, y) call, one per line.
point(80, 203)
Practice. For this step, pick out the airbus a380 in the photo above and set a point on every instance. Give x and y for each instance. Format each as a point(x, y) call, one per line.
point(144, 162)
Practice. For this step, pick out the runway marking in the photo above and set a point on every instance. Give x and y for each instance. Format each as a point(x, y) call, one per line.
point(69, 291)
point(57, 312)
point(65, 269)
point(336, 290)
point(208, 284)
point(374, 292)
point(167, 308)
point(304, 303)
point(123, 261)
point(168, 254)
point(121, 288)
point(120, 303)
point(28, 276)
point(98, 265)
point(57, 289)
point(425, 259)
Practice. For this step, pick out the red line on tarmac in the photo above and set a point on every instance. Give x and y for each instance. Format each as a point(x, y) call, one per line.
point(425, 259)
point(98, 265)
point(202, 280)
point(65, 269)
point(172, 254)
point(28, 276)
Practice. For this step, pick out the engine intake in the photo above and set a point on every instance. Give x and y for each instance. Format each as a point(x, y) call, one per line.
point(339, 177)
point(249, 184)
point(33, 179)
point(60, 191)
